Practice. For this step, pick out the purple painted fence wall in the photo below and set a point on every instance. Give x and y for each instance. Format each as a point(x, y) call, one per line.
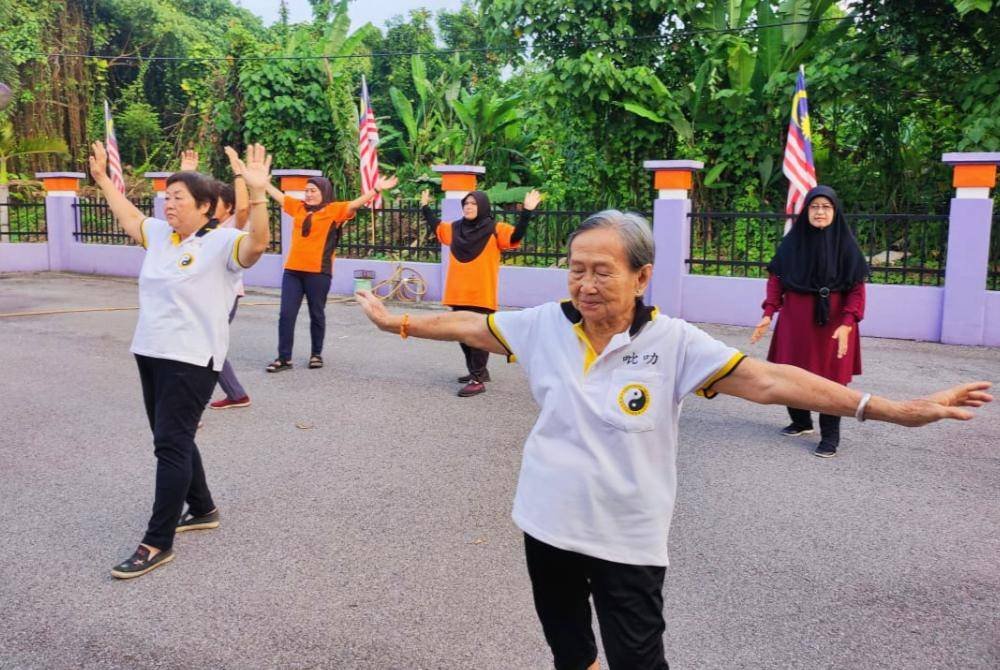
point(962, 312)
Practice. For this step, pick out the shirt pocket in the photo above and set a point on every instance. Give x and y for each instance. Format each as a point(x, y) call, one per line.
point(632, 402)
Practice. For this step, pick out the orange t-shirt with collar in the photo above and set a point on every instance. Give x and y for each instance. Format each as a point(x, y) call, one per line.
point(315, 253)
point(476, 283)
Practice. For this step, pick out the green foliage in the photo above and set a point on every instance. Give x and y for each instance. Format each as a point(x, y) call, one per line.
point(596, 87)
point(13, 147)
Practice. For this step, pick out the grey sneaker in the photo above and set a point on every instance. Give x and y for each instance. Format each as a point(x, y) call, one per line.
point(791, 430)
point(205, 522)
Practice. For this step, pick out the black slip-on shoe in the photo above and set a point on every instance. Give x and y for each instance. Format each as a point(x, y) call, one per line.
point(140, 563)
point(791, 430)
point(204, 522)
point(825, 450)
point(465, 379)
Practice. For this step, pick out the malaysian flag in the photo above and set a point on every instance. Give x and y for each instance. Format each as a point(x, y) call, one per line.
point(368, 145)
point(798, 164)
point(114, 158)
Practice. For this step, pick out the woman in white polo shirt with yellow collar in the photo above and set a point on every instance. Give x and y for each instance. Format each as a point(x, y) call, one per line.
point(186, 289)
point(598, 477)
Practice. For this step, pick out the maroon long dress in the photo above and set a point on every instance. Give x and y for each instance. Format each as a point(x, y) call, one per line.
point(799, 341)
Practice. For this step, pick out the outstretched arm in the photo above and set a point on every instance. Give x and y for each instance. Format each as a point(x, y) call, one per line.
point(276, 193)
point(256, 170)
point(128, 215)
point(531, 200)
point(771, 384)
point(425, 209)
point(467, 327)
point(240, 188)
point(381, 184)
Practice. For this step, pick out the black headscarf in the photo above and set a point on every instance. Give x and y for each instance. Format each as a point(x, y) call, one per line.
point(325, 187)
point(819, 260)
point(469, 236)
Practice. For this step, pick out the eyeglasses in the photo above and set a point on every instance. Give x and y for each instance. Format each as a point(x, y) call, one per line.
point(820, 208)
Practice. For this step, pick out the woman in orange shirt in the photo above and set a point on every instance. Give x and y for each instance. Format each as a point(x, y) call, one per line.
point(475, 242)
point(316, 228)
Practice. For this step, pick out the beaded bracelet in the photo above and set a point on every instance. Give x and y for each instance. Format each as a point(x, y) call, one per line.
point(403, 326)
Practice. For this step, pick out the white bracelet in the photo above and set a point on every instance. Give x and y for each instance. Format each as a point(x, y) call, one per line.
point(859, 413)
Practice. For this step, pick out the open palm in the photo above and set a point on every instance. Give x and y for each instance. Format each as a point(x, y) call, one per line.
point(255, 168)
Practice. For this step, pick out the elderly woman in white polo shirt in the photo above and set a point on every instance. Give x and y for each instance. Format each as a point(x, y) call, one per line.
point(186, 289)
point(598, 477)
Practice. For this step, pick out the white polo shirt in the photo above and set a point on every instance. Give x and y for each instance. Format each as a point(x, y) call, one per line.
point(231, 223)
point(598, 475)
point(186, 289)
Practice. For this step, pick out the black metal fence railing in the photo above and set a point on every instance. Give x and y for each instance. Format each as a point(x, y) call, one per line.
point(23, 222)
point(95, 223)
point(395, 232)
point(993, 264)
point(544, 243)
point(900, 248)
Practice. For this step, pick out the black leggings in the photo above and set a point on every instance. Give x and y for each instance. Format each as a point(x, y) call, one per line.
point(829, 426)
point(628, 600)
point(175, 395)
point(475, 359)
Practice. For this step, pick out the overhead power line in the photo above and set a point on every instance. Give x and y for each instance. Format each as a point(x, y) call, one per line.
point(571, 43)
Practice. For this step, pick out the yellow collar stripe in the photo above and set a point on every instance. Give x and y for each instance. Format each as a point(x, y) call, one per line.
point(589, 354)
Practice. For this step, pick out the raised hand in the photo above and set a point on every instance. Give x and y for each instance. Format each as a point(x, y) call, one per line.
point(385, 183)
point(189, 160)
point(425, 198)
point(234, 160)
point(98, 162)
point(760, 330)
point(531, 199)
point(256, 168)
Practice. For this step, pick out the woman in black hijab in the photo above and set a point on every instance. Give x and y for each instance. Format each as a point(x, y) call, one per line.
point(472, 283)
point(817, 281)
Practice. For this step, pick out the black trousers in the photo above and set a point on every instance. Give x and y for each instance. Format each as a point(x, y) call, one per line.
point(475, 359)
point(175, 395)
point(314, 286)
point(829, 426)
point(628, 600)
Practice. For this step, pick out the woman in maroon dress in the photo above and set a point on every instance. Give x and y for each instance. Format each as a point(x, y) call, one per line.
point(817, 281)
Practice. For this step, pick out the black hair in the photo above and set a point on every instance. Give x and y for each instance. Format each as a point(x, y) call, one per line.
point(227, 194)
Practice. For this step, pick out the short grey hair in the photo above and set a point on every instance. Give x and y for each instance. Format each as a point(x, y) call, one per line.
point(635, 232)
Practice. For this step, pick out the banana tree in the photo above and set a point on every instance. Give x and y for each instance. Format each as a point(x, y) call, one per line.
point(427, 128)
point(11, 148)
point(739, 69)
point(486, 118)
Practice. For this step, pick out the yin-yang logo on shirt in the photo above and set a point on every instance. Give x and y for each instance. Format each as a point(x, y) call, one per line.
point(185, 261)
point(634, 399)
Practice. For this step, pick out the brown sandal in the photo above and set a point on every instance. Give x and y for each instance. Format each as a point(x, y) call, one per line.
point(278, 365)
